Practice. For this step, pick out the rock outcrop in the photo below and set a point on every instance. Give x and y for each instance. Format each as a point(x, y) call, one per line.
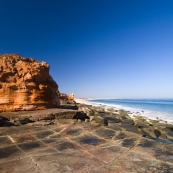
point(71, 96)
point(65, 99)
point(25, 84)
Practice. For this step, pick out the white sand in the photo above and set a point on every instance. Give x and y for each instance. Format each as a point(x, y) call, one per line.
point(132, 114)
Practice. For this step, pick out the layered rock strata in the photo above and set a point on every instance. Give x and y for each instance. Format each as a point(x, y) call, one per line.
point(25, 84)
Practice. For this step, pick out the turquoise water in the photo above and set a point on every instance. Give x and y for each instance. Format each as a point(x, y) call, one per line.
point(162, 108)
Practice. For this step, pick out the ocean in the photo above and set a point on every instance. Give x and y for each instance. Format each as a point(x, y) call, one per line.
point(152, 108)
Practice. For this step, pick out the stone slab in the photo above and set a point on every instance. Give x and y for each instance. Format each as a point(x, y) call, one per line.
point(33, 117)
point(80, 148)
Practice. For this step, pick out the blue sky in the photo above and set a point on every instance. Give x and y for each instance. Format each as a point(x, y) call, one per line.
point(96, 48)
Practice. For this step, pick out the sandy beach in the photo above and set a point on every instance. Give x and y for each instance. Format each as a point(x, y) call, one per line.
point(132, 113)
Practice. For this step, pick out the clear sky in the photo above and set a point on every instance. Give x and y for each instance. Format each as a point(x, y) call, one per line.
point(96, 48)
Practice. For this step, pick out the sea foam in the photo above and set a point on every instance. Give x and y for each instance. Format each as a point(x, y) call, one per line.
point(151, 108)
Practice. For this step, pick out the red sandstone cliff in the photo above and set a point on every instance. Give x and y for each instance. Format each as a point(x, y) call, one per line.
point(25, 84)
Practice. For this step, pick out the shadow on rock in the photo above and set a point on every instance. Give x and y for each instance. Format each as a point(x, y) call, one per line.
point(4, 122)
point(73, 107)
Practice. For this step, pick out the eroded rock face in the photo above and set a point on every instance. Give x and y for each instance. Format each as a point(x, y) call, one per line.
point(25, 84)
point(71, 96)
point(65, 99)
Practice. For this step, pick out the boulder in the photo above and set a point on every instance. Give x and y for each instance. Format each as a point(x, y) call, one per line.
point(89, 113)
point(100, 120)
point(163, 137)
point(112, 119)
point(111, 109)
point(151, 132)
point(170, 136)
point(153, 121)
point(91, 118)
point(25, 84)
point(142, 123)
point(164, 130)
point(124, 114)
point(128, 122)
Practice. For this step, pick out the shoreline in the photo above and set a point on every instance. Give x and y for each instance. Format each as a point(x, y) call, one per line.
point(69, 143)
point(84, 137)
point(94, 114)
point(134, 111)
point(156, 129)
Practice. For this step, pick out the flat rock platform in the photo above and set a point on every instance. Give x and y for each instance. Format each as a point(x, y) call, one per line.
point(38, 116)
point(83, 147)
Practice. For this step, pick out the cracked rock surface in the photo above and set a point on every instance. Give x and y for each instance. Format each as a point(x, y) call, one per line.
point(81, 148)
